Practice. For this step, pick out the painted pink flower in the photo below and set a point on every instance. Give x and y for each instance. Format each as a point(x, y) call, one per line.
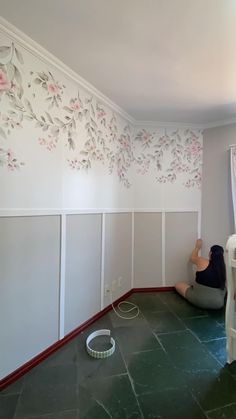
point(193, 149)
point(75, 106)
point(101, 113)
point(4, 83)
point(53, 88)
point(10, 154)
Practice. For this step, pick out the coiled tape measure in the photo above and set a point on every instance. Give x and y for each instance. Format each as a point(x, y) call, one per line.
point(100, 354)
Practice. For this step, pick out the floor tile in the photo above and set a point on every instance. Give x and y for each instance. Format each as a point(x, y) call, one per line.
point(136, 322)
point(136, 339)
point(218, 315)
point(170, 404)
point(152, 370)
point(179, 340)
point(48, 390)
point(180, 306)
point(14, 388)
point(148, 302)
point(193, 359)
point(228, 412)
point(8, 406)
point(111, 397)
point(67, 414)
point(89, 367)
point(212, 388)
point(187, 353)
point(217, 348)
point(63, 356)
point(164, 321)
point(205, 328)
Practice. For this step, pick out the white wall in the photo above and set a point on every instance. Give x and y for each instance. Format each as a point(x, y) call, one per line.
point(61, 146)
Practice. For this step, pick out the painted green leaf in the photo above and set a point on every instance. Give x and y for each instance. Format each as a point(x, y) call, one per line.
point(37, 81)
point(67, 109)
point(18, 76)
point(4, 51)
point(28, 105)
point(28, 117)
point(2, 133)
point(59, 122)
point(19, 56)
point(92, 110)
point(49, 117)
point(10, 71)
point(20, 92)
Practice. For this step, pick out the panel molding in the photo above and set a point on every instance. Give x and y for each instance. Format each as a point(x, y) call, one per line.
point(28, 212)
point(103, 259)
point(62, 284)
point(163, 249)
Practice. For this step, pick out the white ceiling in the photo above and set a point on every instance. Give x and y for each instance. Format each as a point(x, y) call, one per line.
point(159, 60)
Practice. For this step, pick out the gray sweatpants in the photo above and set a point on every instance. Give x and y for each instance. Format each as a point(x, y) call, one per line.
point(205, 297)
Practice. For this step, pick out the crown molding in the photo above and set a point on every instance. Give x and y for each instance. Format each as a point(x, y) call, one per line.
point(200, 126)
point(219, 123)
point(162, 124)
point(38, 51)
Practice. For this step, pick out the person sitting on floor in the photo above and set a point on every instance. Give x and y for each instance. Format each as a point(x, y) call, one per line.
point(209, 288)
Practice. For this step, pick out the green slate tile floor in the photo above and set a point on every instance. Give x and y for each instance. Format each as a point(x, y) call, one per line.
point(169, 363)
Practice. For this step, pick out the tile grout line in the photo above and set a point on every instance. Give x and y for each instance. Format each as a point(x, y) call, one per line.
point(132, 385)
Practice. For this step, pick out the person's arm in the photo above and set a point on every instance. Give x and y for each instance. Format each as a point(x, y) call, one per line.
point(194, 258)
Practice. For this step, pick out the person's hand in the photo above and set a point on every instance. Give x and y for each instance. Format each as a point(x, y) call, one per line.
point(198, 244)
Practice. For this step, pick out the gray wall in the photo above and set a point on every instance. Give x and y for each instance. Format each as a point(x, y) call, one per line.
point(147, 249)
point(217, 207)
point(181, 232)
point(29, 288)
point(83, 269)
point(118, 254)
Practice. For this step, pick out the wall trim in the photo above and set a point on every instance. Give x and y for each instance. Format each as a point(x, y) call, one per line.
point(15, 375)
point(153, 289)
point(103, 233)
point(169, 124)
point(194, 209)
point(163, 248)
point(132, 249)
point(38, 51)
point(219, 123)
point(34, 212)
point(28, 212)
point(62, 282)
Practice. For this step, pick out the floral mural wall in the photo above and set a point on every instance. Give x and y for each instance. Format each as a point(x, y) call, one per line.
point(172, 153)
point(41, 109)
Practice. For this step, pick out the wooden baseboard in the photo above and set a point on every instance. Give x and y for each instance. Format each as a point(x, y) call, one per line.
point(153, 289)
point(15, 375)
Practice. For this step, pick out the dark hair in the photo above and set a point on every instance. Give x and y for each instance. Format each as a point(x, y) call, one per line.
point(218, 264)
